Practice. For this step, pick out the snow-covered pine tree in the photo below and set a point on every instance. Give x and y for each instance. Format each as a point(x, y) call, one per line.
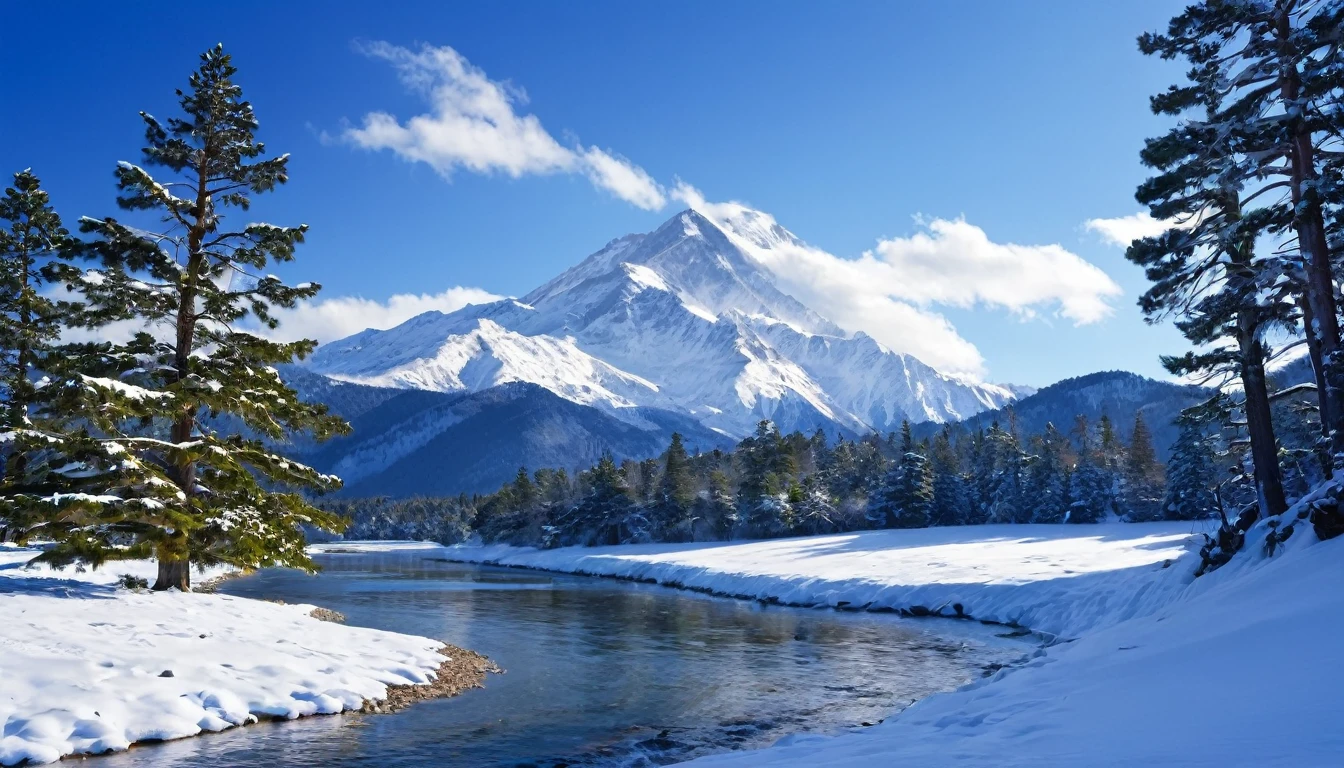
point(906, 494)
point(767, 468)
point(951, 498)
point(1008, 500)
point(1206, 273)
point(194, 494)
point(1272, 71)
point(34, 436)
point(1191, 475)
point(1142, 496)
point(1048, 480)
point(605, 514)
point(815, 510)
point(1090, 484)
point(676, 493)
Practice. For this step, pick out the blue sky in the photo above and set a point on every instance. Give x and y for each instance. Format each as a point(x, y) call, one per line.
point(845, 122)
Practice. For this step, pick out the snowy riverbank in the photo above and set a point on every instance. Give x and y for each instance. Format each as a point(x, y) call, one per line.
point(1061, 580)
point(87, 667)
point(1235, 668)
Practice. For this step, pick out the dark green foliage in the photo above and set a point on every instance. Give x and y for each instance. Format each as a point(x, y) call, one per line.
point(604, 514)
point(905, 498)
point(1142, 491)
point(951, 500)
point(780, 485)
point(36, 451)
point(178, 486)
point(1191, 475)
point(676, 493)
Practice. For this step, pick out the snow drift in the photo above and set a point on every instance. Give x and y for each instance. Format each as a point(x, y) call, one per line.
point(87, 667)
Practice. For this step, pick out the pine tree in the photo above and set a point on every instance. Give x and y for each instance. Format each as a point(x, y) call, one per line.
point(982, 460)
point(1048, 481)
point(719, 507)
point(1142, 496)
point(814, 508)
point(35, 445)
point(763, 506)
point(194, 494)
point(676, 493)
point(1090, 484)
point(1206, 272)
point(1008, 500)
point(1190, 474)
point(1268, 73)
point(950, 496)
point(906, 495)
point(605, 514)
point(524, 491)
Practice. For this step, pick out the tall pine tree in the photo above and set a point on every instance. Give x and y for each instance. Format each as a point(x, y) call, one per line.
point(1190, 473)
point(194, 493)
point(905, 497)
point(39, 456)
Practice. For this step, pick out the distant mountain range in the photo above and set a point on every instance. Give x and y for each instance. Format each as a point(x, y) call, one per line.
point(681, 329)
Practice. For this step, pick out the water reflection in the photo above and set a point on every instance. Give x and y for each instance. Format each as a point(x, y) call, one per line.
point(599, 672)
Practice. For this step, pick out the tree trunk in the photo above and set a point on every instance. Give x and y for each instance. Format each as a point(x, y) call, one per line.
point(1322, 327)
point(1264, 446)
point(174, 564)
point(174, 574)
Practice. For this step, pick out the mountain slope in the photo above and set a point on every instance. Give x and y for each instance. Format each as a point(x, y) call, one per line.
point(684, 318)
point(407, 442)
point(1117, 394)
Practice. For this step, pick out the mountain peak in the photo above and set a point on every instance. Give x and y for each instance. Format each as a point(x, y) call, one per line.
point(638, 323)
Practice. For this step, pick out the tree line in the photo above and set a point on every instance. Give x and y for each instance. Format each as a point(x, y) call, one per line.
point(121, 448)
point(772, 484)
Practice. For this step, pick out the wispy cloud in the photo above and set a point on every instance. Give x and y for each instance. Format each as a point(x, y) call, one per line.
point(890, 291)
point(1123, 230)
point(474, 125)
point(323, 320)
point(335, 318)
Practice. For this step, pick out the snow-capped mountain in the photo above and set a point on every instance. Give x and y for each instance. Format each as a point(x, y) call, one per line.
point(685, 318)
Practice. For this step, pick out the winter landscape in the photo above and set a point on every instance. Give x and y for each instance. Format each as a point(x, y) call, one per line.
point(340, 375)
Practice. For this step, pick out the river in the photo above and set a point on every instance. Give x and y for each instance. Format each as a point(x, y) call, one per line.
point(598, 672)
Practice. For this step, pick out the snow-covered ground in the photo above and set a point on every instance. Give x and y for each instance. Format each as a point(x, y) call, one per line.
point(87, 667)
point(1240, 667)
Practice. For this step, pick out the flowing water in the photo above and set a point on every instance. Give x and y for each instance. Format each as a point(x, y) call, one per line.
point(598, 672)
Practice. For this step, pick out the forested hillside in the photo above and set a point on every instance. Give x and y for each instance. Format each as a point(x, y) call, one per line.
point(1118, 395)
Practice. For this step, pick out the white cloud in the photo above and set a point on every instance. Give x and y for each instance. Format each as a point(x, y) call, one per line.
point(335, 318)
point(1124, 230)
point(473, 125)
point(888, 292)
point(624, 179)
point(324, 320)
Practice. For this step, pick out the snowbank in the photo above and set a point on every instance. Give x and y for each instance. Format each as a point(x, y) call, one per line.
point(1062, 580)
point(1239, 667)
point(87, 667)
point(1243, 669)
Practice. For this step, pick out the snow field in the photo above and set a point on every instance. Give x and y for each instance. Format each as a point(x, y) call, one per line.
point(87, 667)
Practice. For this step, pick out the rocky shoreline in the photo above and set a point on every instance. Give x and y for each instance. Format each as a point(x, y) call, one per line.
point(461, 671)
